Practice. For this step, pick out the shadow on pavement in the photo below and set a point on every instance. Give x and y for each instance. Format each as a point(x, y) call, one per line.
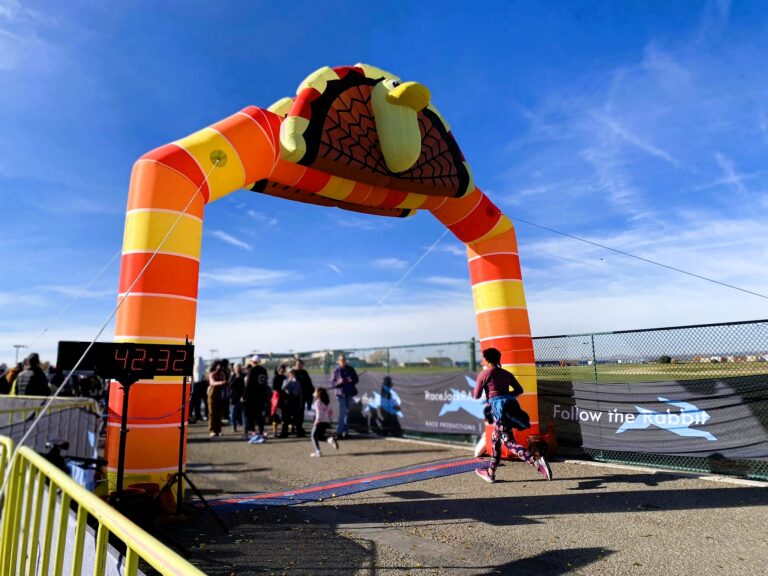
point(284, 541)
point(518, 510)
point(599, 482)
point(553, 562)
point(269, 541)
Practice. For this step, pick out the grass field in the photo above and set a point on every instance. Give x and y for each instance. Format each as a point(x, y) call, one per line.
point(651, 372)
point(609, 372)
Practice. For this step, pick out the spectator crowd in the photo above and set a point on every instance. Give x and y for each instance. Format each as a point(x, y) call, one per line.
point(244, 397)
point(239, 395)
point(35, 378)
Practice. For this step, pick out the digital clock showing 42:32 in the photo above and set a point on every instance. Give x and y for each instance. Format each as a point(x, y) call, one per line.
point(160, 360)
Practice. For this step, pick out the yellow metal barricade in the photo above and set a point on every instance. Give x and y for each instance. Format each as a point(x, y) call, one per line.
point(6, 449)
point(36, 517)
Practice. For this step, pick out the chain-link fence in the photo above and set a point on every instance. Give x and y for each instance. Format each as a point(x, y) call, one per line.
point(416, 358)
point(700, 360)
point(697, 361)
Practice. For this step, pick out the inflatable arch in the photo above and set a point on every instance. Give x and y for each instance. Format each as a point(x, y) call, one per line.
point(354, 137)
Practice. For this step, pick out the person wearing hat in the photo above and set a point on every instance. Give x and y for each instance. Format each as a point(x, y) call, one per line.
point(5, 386)
point(256, 396)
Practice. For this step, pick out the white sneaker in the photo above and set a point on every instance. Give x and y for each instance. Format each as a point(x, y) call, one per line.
point(485, 474)
point(543, 468)
point(315, 455)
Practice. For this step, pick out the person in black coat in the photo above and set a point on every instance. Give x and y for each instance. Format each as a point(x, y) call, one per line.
point(256, 396)
point(32, 380)
point(236, 392)
point(307, 388)
point(5, 385)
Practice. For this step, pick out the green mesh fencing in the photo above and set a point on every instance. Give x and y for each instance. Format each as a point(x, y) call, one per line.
point(681, 353)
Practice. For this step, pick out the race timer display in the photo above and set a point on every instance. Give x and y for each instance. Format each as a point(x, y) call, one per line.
point(128, 360)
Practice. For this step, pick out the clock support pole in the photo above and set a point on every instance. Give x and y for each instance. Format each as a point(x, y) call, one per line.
point(126, 382)
point(180, 473)
point(185, 410)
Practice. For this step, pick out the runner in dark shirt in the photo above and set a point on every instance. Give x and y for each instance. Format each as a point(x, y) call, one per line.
point(502, 389)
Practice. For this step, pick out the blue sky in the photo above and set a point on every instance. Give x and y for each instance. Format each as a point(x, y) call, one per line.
point(642, 126)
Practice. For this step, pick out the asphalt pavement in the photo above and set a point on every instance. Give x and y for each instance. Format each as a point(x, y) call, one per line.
point(590, 519)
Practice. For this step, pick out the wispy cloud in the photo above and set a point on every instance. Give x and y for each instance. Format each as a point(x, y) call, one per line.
point(76, 204)
point(247, 276)
point(336, 269)
point(633, 145)
point(337, 326)
point(372, 223)
point(262, 218)
point(72, 291)
point(389, 264)
point(525, 194)
point(448, 282)
point(451, 248)
point(730, 176)
point(229, 239)
point(14, 300)
point(727, 250)
point(714, 18)
point(629, 137)
point(19, 37)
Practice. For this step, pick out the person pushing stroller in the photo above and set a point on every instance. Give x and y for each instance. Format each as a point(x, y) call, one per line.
point(502, 389)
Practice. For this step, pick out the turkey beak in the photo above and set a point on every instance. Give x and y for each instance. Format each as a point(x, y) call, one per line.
point(411, 94)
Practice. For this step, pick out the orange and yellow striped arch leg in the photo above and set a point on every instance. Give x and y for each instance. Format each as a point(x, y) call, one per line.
point(174, 182)
point(497, 288)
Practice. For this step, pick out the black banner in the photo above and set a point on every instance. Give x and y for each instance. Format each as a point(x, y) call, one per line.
point(440, 403)
point(723, 417)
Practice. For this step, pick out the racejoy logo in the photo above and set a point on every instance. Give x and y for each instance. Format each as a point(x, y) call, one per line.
point(389, 405)
point(676, 422)
point(456, 400)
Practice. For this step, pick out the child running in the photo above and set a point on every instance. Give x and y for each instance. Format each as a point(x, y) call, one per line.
point(502, 389)
point(323, 415)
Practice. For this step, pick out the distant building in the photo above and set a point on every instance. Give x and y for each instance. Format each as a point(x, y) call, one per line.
point(438, 362)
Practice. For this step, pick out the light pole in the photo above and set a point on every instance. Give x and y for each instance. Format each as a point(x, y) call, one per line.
point(214, 352)
point(19, 346)
point(440, 358)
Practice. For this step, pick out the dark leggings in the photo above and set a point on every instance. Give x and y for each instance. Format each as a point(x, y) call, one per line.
point(254, 415)
point(318, 434)
point(502, 432)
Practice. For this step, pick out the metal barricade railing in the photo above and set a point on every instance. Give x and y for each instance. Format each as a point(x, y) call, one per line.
point(76, 420)
point(14, 415)
point(6, 449)
point(42, 509)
